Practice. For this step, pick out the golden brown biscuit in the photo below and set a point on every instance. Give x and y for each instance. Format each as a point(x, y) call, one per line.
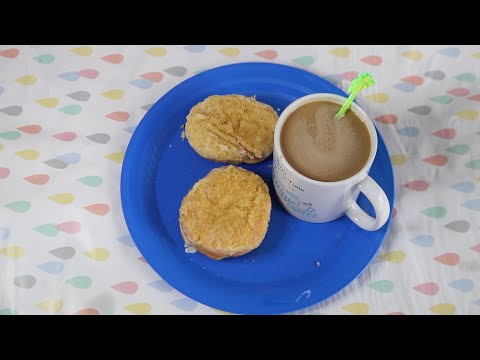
point(226, 213)
point(231, 129)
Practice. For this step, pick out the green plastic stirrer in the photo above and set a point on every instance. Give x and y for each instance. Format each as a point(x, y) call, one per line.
point(363, 81)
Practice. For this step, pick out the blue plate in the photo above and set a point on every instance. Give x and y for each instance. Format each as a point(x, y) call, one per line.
point(298, 264)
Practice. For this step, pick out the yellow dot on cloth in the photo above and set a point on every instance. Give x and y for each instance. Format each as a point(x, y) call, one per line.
point(51, 306)
point(99, 254)
point(378, 97)
point(142, 308)
point(114, 94)
point(232, 52)
point(398, 159)
point(13, 251)
point(468, 114)
point(412, 55)
point(358, 308)
point(65, 198)
point(28, 154)
point(342, 52)
point(1, 147)
point(27, 80)
point(156, 51)
point(48, 102)
point(395, 256)
point(82, 51)
point(476, 55)
point(443, 309)
point(116, 157)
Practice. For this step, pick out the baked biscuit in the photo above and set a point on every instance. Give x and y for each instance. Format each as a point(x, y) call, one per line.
point(226, 213)
point(232, 129)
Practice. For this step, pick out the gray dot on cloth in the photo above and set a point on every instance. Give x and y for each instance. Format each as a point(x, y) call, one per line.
point(12, 110)
point(80, 95)
point(65, 253)
point(55, 163)
point(435, 74)
point(421, 110)
point(460, 226)
point(99, 138)
point(25, 281)
point(176, 71)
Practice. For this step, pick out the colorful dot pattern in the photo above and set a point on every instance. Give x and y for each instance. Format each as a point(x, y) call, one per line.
point(68, 112)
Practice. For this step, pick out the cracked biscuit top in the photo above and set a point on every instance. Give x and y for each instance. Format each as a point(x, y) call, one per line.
point(226, 213)
point(232, 129)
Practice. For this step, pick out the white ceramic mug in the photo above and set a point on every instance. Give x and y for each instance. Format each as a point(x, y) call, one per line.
point(317, 201)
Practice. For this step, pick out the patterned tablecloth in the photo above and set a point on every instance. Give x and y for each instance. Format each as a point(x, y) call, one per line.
point(67, 114)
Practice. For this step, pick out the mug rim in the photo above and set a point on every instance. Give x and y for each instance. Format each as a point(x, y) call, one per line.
point(337, 99)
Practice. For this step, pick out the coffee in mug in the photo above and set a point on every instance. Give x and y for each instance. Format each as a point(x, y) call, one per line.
point(322, 148)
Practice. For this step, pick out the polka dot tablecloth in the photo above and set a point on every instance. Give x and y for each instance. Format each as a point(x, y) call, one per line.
point(68, 112)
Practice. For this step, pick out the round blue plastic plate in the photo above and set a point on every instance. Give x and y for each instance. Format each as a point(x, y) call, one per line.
point(298, 264)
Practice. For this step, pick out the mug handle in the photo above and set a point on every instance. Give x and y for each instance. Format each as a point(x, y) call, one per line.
point(377, 198)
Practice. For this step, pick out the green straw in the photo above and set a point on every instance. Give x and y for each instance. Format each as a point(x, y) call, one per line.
point(363, 81)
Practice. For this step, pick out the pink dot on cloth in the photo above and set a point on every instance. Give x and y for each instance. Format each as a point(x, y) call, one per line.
point(98, 209)
point(428, 288)
point(387, 119)
point(88, 73)
point(69, 227)
point(449, 259)
point(113, 58)
point(65, 136)
point(445, 133)
point(372, 60)
point(119, 116)
point(417, 185)
point(267, 54)
point(126, 287)
point(437, 160)
point(37, 179)
point(4, 172)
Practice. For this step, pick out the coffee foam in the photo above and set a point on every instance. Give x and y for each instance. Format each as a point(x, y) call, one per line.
point(322, 148)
